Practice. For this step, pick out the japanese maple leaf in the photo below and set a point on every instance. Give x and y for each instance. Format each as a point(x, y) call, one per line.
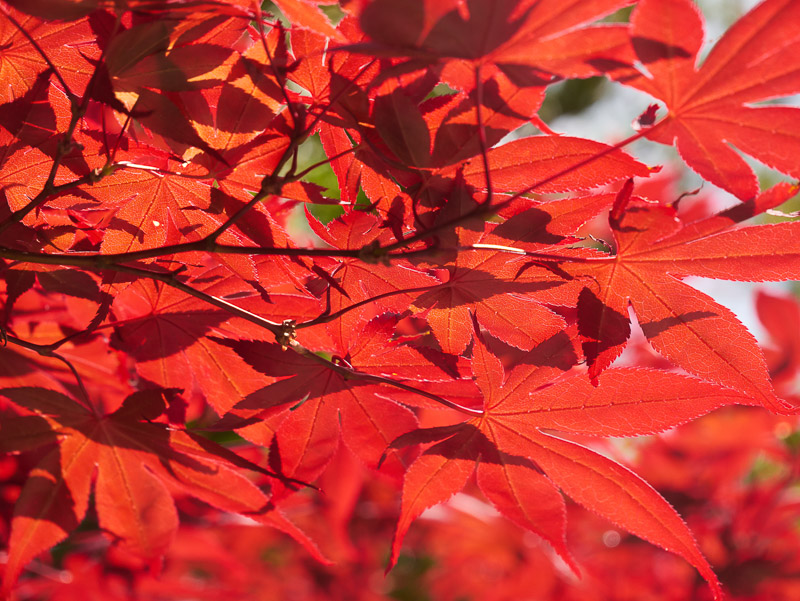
point(709, 106)
point(653, 251)
point(307, 14)
point(174, 341)
point(439, 141)
point(150, 209)
point(139, 464)
point(311, 405)
point(780, 316)
point(504, 292)
point(520, 467)
point(65, 44)
point(480, 283)
point(521, 39)
point(353, 280)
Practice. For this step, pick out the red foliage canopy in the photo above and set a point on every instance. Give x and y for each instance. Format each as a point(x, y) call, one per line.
point(187, 349)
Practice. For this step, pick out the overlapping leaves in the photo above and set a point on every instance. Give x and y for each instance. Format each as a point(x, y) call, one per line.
point(139, 465)
point(158, 145)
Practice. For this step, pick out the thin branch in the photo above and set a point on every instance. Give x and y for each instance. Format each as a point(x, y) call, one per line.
point(284, 335)
point(50, 189)
point(329, 317)
point(482, 135)
point(46, 350)
point(99, 261)
point(170, 279)
point(488, 209)
point(349, 372)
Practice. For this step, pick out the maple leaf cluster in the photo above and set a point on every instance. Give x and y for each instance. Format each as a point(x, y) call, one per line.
point(203, 344)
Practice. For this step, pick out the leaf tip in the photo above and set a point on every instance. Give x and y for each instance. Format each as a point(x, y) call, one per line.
point(620, 203)
point(647, 118)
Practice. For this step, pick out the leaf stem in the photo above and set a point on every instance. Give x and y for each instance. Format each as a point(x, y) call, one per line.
point(487, 173)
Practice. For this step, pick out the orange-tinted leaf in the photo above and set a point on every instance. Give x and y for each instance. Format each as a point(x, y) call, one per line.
point(307, 14)
point(65, 44)
point(169, 338)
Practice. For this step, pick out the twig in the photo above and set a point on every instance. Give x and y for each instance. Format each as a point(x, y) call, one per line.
point(482, 136)
point(349, 372)
point(47, 351)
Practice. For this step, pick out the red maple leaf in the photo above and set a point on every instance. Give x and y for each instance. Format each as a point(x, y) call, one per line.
point(138, 462)
point(527, 41)
point(710, 105)
point(310, 406)
point(653, 250)
point(520, 466)
point(155, 271)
